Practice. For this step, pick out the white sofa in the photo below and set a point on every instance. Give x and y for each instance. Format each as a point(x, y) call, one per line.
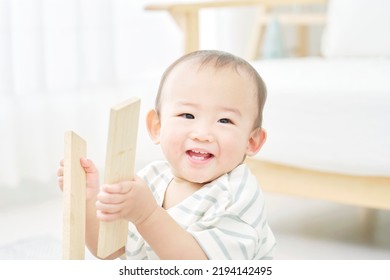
point(328, 117)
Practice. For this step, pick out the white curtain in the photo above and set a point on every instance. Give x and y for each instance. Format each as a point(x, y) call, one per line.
point(63, 63)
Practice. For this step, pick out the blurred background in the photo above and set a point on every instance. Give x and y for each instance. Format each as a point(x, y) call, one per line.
point(64, 63)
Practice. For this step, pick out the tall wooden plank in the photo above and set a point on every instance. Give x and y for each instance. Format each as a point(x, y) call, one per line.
point(120, 160)
point(74, 191)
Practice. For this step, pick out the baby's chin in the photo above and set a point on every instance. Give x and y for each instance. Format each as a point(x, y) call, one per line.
point(203, 177)
point(199, 176)
point(199, 179)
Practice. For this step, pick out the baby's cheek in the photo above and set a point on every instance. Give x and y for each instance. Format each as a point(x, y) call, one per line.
point(171, 143)
point(233, 146)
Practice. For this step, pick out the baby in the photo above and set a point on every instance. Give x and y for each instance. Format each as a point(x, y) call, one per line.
point(202, 202)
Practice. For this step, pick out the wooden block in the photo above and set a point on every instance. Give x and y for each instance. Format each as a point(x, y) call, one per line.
point(120, 160)
point(74, 191)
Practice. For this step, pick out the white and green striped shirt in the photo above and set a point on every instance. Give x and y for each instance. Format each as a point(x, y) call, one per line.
point(225, 216)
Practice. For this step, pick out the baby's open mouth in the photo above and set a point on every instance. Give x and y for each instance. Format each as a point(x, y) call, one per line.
point(199, 155)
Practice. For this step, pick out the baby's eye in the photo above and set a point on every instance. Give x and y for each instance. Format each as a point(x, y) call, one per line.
point(225, 121)
point(187, 116)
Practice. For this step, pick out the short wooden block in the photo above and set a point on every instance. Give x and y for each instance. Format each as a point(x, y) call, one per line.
point(120, 161)
point(74, 191)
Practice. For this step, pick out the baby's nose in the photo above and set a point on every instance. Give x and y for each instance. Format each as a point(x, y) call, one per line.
point(202, 135)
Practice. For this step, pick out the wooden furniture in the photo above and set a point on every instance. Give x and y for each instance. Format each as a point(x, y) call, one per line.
point(364, 190)
point(186, 15)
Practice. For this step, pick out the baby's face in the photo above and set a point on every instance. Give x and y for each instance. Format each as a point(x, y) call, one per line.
point(207, 119)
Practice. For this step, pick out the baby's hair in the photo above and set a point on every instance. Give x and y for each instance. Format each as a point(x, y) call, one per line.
point(220, 60)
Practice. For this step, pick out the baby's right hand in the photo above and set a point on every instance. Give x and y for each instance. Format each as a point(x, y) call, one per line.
point(92, 177)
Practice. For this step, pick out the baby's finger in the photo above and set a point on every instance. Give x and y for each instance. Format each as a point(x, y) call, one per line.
point(123, 187)
point(88, 165)
point(107, 217)
point(110, 198)
point(60, 171)
point(108, 208)
point(61, 182)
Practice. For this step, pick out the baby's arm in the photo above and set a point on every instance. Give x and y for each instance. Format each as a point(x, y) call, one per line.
point(134, 201)
point(168, 239)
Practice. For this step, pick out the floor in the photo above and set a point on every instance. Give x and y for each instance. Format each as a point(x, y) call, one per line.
point(304, 229)
point(313, 229)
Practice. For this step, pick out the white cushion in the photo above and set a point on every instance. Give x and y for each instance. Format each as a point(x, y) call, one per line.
point(357, 28)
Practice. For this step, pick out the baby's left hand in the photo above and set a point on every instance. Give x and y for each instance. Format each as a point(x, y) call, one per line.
point(130, 200)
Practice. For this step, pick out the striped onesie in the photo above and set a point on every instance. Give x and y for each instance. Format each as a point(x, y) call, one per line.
point(225, 216)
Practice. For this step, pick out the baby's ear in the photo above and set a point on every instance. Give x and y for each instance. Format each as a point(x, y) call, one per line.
point(153, 124)
point(256, 141)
